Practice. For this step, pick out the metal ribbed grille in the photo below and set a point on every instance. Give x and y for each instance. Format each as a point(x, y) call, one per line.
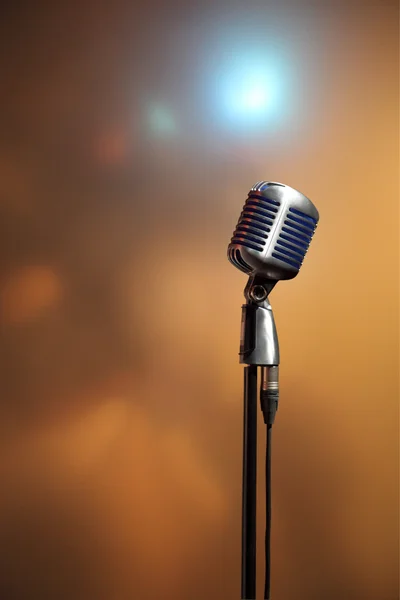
point(237, 260)
point(260, 186)
point(294, 238)
point(255, 221)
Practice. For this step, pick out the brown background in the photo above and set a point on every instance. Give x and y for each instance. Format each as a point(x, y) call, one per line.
point(121, 392)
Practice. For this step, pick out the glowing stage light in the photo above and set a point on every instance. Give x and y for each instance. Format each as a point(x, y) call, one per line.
point(248, 97)
point(255, 98)
point(252, 94)
point(251, 89)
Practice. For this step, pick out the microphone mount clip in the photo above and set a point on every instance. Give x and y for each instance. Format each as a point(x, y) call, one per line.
point(258, 340)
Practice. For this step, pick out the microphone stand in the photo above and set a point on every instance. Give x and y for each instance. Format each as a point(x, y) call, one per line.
point(258, 348)
point(249, 484)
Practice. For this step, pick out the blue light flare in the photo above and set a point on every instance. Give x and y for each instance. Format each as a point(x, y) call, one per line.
point(251, 92)
point(251, 88)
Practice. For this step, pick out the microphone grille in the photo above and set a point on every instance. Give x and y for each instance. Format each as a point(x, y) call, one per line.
point(294, 237)
point(254, 225)
point(256, 221)
point(273, 232)
point(260, 186)
point(236, 258)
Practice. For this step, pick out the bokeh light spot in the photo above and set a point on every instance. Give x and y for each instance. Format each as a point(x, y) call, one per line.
point(251, 84)
point(255, 98)
point(161, 121)
point(28, 293)
point(250, 92)
point(111, 147)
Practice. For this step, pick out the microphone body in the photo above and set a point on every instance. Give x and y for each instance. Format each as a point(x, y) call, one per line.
point(274, 231)
point(269, 243)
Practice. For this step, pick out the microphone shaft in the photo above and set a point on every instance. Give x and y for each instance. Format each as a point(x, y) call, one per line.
point(249, 499)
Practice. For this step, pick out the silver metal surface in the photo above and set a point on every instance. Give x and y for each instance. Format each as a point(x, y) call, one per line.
point(258, 293)
point(266, 346)
point(270, 378)
point(274, 231)
point(264, 378)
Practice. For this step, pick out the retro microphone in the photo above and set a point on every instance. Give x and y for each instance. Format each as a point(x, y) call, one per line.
point(269, 244)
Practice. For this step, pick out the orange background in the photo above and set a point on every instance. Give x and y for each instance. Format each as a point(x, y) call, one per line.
point(121, 400)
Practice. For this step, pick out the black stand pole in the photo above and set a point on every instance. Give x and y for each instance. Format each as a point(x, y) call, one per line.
point(249, 484)
point(258, 348)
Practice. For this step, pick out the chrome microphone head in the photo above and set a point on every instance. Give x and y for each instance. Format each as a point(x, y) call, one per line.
point(274, 231)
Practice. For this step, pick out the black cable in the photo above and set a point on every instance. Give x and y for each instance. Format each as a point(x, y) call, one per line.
point(267, 588)
point(269, 405)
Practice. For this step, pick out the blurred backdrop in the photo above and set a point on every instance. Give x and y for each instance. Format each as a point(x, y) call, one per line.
point(130, 135)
